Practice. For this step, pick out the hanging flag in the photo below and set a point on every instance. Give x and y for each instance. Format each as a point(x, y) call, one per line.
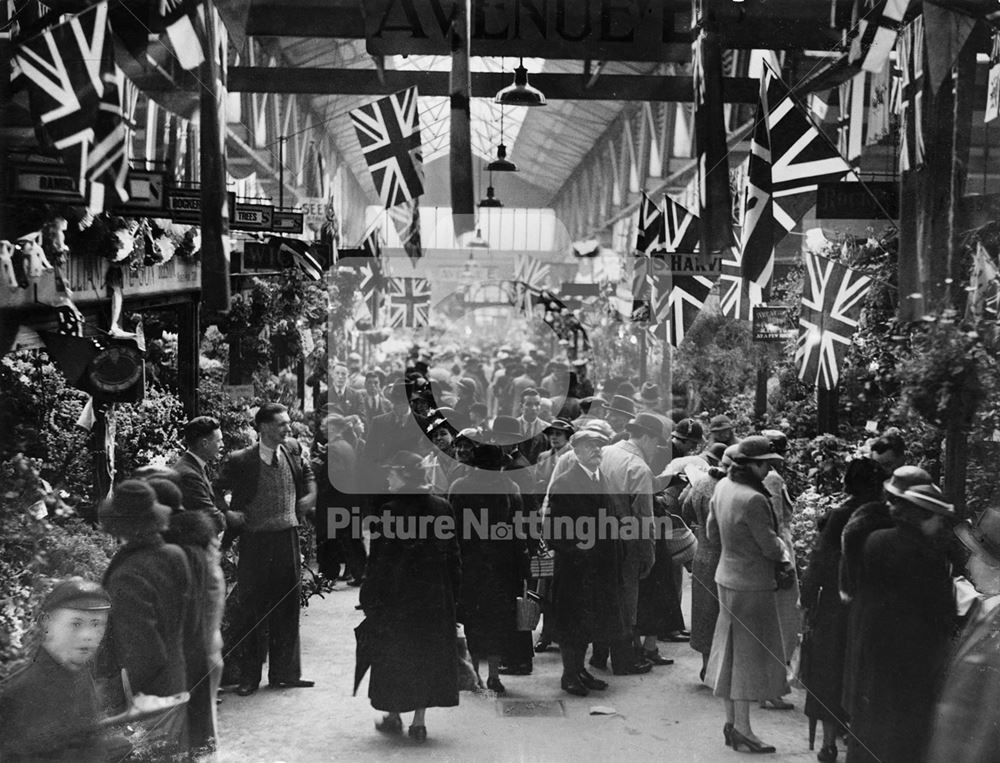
point(299, 254)
point(650, 232)
point(409, 302)
point(110, 156)
point(757, 232)
point(984, 287)
point(993, 88)
point(389, 133)
point(850, 122)
point(181, 21)
point(879, 102)
point(710, 141)
point(530, 277)
point(878, 24)
point(406, 218)
point(684, 298)
point(681, 233)
point(72, 89)
point(831, 306)
point(463, 203)
point(801, 158)
point(634, 290)
point(372, 242)
point(910, 57)
point(737, 297)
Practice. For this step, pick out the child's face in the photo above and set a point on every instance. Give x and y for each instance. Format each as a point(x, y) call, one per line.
point(72, 636)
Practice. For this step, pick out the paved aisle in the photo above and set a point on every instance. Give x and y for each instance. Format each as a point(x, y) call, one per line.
point(666, 715)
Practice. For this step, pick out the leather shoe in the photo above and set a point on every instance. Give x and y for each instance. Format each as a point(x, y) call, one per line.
point(635, 669)
point(655, 657)
point(677, 637)
point(575, 686)
point(595, 684)
point(417, 733)
point(245, 690)
point(542, 645)
point(295, 683)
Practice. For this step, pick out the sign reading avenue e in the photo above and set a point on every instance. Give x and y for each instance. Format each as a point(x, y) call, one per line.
point(603, 30)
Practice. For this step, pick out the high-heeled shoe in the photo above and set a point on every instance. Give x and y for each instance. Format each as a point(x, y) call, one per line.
point(827, 753)
point(727, 733)
point(418, 733)
point(751, 746)
point(493, 684)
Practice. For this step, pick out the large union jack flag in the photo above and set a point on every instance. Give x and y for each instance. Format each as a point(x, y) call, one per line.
point(677, 299)
point(389, 133)
point(650, 234)
point(801, 159)
point(831, 306)
point(910, 95)
point(409, 302)
point(737, 296)
point(74, 91)
point(757, 234)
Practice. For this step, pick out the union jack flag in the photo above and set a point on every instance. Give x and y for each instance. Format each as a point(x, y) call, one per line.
point(851, 122)
point(831, 307)
point(409, 302)
point(877, 30)
point(801, 159)
point(73, 88)
point(530, 276)
point(406, 218)
point(677, 301)
point(909, 106)
point(650, 227)
point(389, 133)
point(737, 296)
point(681, 232)
point(757, 233)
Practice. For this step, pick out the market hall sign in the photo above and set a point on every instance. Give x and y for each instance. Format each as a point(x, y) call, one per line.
point(52, 183)
point(870, 200)
point(623, 30)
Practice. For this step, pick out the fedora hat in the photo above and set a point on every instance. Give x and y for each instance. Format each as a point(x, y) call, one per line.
point(622, 404)
point(906, 478)
point(983, 536)
point(646, 423)
point(648, 393)
point(753, 448)
point(506, 430)
point(133, 510)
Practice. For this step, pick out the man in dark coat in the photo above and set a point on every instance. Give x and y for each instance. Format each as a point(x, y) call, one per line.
point(341, 397)
point(585, 587)
point(203, 438)
point(49, 710)
point(966, 726)
point(150, 584)
point(273, 489)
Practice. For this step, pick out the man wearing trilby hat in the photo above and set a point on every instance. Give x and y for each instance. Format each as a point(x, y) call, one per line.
point(966, 726)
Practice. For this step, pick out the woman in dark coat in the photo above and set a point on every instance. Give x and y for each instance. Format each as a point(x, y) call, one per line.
point(901, 621)
point(585, 585)
point(825, 639)
point(408, 597)
point(495, 563)
point(704, 592)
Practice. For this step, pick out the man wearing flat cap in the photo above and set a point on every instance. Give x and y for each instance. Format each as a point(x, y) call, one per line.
point(965, 728)
point(720, 429)
point(50, 709)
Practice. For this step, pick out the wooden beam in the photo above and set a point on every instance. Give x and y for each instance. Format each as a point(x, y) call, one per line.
point(610, 87)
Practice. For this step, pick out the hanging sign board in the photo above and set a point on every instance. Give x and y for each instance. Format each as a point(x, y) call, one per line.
point(773, 323)
point(48, 182)
point(684, 264)
point(314, 211)
point(285, 221)
point(255, 217)
point(857, 201)
point(184, 205)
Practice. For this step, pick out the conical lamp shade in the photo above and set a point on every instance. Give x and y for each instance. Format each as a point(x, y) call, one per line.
point(501, 163)
point(520, 93)
point(490, 200)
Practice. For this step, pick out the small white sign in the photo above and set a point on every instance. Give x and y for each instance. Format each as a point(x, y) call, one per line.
point(314, 209)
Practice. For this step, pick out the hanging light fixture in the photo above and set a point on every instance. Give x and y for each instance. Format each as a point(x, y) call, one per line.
point(490, 200)
point(477, 242)
point(520, 93)
point(501, 163)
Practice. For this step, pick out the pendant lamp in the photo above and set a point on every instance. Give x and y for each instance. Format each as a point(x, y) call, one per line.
point(501, 163)
point(520, 93)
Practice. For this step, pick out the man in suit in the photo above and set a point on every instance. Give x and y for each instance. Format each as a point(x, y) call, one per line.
point(375, 403)
point(273, 489)
point(532, 427)
point(629, 481)
point(965, 721)
point(203, 439)
point(341, 397)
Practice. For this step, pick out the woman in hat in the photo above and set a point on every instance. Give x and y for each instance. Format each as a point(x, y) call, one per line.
point(408, 595)
point(495, 562)
point(747, 661)
point(825, 640)
point(901, 621)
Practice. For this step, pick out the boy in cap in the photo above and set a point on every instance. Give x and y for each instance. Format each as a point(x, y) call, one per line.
point(50, 709)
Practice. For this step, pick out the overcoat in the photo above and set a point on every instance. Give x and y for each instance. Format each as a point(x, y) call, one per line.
point(586, 605)
point(704, 592)
point(901, 620)
point(409, 594)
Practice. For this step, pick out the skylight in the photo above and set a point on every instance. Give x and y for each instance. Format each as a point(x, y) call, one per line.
point(435, 113)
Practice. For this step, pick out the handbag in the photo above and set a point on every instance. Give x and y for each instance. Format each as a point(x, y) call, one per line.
point(529, 609)
point(543, 563)
point(682, 543)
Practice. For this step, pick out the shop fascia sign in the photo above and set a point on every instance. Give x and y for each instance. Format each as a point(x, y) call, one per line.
point(52, 183)
point(184, 205)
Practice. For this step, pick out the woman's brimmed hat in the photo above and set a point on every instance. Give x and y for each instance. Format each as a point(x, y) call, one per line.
point(559, 425)
point(753, 448)
point(132, 510)
point(914, 485)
